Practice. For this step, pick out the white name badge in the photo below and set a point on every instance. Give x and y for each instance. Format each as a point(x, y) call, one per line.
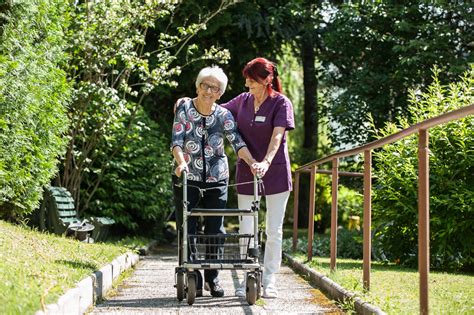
point(260, 118)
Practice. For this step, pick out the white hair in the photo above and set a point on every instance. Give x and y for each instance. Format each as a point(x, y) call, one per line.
point(214, 72)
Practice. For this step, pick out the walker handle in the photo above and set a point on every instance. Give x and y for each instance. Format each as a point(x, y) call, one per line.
point(184, 174)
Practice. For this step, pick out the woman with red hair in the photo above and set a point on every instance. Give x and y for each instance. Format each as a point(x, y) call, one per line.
point(263, 116)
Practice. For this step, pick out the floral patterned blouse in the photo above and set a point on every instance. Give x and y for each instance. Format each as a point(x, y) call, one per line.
point(202, 140)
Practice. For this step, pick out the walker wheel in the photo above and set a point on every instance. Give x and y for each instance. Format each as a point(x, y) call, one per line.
point(251, 290)
point(191, 296)
point(180, 285)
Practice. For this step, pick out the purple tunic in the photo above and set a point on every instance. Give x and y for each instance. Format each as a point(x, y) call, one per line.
point(256, 130)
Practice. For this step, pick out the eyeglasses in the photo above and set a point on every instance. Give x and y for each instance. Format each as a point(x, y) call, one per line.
point(205, 87)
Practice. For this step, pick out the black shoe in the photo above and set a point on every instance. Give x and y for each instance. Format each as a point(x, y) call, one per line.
point(216, 290)
point(199, 293)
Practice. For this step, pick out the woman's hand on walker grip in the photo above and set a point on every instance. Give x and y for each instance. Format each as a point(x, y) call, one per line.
point(180, 168)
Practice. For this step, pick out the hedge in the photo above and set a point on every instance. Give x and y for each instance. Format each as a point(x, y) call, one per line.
point(34, 94)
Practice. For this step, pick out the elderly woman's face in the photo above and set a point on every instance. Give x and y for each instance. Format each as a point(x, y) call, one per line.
point(209, 90)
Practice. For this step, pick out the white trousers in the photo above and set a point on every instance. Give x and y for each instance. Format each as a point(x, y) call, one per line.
point(276, 205)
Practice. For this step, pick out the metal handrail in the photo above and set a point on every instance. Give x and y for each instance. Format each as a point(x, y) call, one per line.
point(423, 196)
point(432, 122)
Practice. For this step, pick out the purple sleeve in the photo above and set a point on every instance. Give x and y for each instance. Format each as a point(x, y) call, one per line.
point(284, 114)
point(234, 104)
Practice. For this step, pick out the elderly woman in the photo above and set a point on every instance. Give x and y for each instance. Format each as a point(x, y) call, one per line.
point(198, 147)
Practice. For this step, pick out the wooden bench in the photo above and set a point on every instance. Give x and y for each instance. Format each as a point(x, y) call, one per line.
point(58, 211)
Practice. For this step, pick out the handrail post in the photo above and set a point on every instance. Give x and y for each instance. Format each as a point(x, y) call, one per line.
point(334, 193)
point(367, 238)
point(312, 191)
point(423, 218)
point(295, 209)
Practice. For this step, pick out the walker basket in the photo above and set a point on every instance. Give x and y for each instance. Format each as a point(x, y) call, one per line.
point(220, 248)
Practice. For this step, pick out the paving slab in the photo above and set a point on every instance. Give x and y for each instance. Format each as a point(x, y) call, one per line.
point(150, 290)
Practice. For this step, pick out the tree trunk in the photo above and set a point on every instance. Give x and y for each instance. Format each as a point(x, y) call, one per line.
point(310, 83)
point(310, 140)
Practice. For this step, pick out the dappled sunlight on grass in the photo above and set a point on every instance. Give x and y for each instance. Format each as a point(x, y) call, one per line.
point(36, 268)
point(396, 289)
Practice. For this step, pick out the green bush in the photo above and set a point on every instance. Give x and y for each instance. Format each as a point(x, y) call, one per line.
point(33, 96)
point(395, 200)
point(349, 244)
point(136, 189)
point(349, 204)
point(350, 208)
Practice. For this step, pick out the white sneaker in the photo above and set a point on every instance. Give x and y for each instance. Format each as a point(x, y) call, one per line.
point(240, 291)
point(270, 293)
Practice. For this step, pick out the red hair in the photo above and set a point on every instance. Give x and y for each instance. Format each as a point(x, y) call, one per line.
point(259, 69)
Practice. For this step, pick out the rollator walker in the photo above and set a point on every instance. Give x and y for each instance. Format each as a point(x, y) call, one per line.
point(231, 251)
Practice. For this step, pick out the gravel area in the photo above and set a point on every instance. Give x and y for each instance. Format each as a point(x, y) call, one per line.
point(150, 290)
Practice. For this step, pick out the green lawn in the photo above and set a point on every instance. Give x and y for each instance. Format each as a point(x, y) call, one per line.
point(395, 289)
point(37, 268)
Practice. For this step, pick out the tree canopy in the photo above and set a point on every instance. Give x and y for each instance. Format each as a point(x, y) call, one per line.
point(375, 52)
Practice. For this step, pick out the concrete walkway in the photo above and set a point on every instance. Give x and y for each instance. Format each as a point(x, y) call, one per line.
point(150, 290)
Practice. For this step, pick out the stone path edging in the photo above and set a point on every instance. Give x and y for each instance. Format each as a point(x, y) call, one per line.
point(332, 289)
point(79, 299)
